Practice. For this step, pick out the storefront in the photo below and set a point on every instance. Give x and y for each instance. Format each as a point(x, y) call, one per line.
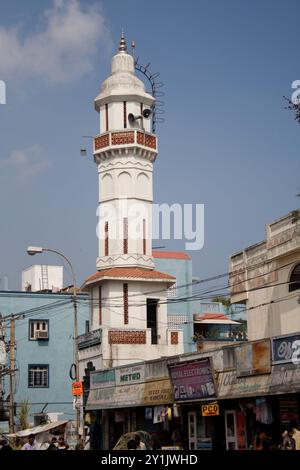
point(133, 398)
point(257, 392)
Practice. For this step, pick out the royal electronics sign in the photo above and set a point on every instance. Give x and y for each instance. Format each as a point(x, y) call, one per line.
point(193, 381)
point(286, 349)
point(130, 375)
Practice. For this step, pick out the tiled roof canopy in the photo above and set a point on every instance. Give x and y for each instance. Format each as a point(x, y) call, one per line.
point(129, 273)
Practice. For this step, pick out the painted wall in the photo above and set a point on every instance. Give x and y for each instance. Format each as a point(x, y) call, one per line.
point(57, 352)
point(182, 270)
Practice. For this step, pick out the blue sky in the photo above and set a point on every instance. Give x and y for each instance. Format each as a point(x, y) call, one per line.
point(227, 141)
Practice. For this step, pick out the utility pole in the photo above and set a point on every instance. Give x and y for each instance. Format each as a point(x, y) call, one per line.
point(12, 376)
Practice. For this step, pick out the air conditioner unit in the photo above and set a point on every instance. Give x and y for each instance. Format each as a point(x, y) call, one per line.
point(41, 334)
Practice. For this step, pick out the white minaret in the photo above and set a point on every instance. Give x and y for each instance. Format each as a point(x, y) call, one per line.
point(128, 296)
point(125, 151)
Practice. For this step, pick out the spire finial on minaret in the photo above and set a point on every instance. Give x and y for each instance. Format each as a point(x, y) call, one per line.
point(122, 45)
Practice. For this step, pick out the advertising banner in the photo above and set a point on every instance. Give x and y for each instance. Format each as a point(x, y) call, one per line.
point(193, 381)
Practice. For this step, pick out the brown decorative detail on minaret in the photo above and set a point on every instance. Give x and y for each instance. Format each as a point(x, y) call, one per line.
point(106, 238)
point(100, 305)
point(125, 236)
point(106, 117)
point(125, 114)
point(125, 303)
point(144, 236)
point(101, 141)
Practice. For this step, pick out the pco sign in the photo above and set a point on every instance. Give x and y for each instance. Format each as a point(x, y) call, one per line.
point(210, 410)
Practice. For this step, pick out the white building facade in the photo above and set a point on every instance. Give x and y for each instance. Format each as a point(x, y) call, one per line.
point(128, 296)
point(266, 277)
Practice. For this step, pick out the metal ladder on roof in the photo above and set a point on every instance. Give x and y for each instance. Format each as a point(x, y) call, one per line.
point(44, 279)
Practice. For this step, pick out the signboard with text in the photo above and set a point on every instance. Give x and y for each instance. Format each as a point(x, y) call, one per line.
point(193, 381)
point(286, 349)
point(130, 375)
point(77, 389)
point(211, 409)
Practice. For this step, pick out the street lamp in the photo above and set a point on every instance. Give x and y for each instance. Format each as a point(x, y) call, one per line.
point(34, 250)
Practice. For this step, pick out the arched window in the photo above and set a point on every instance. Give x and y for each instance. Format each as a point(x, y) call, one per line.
point(295, 279)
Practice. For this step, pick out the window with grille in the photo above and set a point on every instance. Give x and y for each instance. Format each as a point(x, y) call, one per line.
point(38, 330)
point(38, 376)
point(172, 291)
point(295, 279)
point(229, 358)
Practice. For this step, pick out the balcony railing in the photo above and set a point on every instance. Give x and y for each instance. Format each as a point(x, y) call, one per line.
point(89, 339)
point(117, 138)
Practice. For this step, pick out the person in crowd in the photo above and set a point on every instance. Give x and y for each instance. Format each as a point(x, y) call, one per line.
point(259, 437)
point(140, 445)
point(62, 445)
point(296, 434)
point(131, 444)
point(31, 444)
point(155, 442)
point(53, 444)
point(288, 442)
point(4, 445)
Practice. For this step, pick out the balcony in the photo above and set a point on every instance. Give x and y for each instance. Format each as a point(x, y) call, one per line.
point(125, 138)
point(89, 339)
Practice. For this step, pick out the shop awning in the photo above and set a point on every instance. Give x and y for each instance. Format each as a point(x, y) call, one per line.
point(39, 429)
point(152, 393)
point(214, 318)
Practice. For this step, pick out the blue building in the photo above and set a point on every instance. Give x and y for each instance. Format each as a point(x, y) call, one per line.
point(180, 311)
point(44, 349)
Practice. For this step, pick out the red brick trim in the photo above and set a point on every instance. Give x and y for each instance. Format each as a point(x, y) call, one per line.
point(126, 337)
point(125, 114)
point(125, 303)
point(100, 305)
point(174, 337)
point(125, 236)
point(106, 247)
point(101, 141)
point(106, 117)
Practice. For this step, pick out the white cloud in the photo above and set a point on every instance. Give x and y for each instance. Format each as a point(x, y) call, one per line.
point(62, 50)
point(25, 164)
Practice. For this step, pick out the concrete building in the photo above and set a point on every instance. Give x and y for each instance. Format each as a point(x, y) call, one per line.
point(266, 278)
point(42, 277)
point(128, 296)
point(180, 312)
point(44, 349)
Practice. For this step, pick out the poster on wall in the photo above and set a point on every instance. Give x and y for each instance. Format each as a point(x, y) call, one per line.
point(148, 413)
point(192, 381)
point(253, 358)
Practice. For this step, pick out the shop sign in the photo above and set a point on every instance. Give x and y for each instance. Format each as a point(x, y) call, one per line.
point(77, 389)
point(285, 378)
point(116, 397)
point(231, 386)
point(286, 349)
point(253, 358)
point(193, 380)
point(103, 379)
point(130, 375)
point(158, 392)
point(210, 409)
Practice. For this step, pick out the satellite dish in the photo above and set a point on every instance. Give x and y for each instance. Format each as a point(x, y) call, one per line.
point(147, 113)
